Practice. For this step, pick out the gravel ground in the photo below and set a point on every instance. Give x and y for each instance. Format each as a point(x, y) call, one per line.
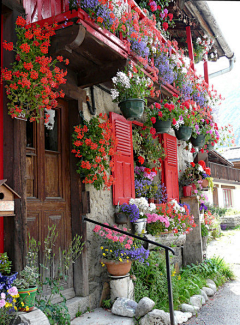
point(224, 308)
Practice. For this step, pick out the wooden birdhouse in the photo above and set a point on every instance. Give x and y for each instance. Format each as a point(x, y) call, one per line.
point(7, 197)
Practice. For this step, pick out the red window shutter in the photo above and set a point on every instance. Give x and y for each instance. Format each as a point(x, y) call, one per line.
point(43, 9)
point(170, 166)
point(124, 188)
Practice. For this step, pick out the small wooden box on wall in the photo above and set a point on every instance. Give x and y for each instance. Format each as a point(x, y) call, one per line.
point(7, 197)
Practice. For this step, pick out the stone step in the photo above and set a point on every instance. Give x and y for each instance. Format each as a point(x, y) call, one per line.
point(102, 317)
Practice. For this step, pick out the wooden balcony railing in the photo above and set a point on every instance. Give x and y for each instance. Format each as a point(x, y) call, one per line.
point(224, 172)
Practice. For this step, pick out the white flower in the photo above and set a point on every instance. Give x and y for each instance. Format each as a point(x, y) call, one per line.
point(114, 94)
point(123, 79)
point(152, 207)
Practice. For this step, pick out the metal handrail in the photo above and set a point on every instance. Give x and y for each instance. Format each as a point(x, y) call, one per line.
point(167, 249)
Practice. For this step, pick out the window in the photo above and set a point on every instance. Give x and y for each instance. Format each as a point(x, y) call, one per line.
point(124, 187)
point(227, 197)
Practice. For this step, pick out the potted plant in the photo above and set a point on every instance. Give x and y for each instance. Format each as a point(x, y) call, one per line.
point(6, 275)
point(129, 211)
point(118, 251)
point(152, 192)
point(170, 217)
point(184, 118)
point(160, 115)
point(27, 287)
point(131, 88)
point(144, 208)
point(32, 84)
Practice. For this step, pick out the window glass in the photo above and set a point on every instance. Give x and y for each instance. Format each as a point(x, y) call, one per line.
point(51, 131)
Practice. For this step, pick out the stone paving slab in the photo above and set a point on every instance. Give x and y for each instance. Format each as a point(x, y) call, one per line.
point(102, 317)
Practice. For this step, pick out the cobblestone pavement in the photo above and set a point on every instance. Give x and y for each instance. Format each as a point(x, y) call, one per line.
point(224, 308)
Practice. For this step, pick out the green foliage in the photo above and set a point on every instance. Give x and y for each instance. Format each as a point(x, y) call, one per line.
point(217, 211)
point(204, 230)
point(56, 313)
point(155, 228)
point(107, 304)
point(151, 281)
point(28, 277)
point(5, 264)
point(78, 313)
point(146, 146)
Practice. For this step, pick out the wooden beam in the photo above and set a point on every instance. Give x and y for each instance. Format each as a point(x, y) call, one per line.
point(206, 77)
point(190, 46)
point(228, 187)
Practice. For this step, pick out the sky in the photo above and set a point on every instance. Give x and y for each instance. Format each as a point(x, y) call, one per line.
point(226, 14)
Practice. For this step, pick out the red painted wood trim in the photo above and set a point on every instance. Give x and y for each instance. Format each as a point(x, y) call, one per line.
point(39, 9)
point(1, 140)
point(205, 67)
point(190, 45)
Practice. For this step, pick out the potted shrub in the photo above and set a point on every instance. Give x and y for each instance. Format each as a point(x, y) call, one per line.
point(27, 287)
point(131, 88)
point(118, 251)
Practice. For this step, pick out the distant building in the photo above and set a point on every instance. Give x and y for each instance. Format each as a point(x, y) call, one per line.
point(233, 155)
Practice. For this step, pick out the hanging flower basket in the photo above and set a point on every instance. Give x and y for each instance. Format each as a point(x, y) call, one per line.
point(162, 126)
point(187, 190)
point(132, 108)
point(210, 147)
point(198, 141)
point(183, 133)
point(120, 218)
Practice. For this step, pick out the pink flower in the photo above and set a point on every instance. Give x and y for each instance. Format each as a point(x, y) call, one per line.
point(109, 236)
point(13, 291)
point(121, 239)
point(3, 295)
point(97, 228)
point(127, 246)
point(124, 229)
point(2, 303)
point(115, 238)
point(129, 241)
point(102, 233)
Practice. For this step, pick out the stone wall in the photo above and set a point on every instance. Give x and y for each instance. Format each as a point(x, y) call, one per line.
point(101, 206)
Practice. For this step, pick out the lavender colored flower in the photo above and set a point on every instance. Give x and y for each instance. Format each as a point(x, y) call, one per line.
point(131, 210)
point(203, 207)
point(165, 67)
point(137, 254)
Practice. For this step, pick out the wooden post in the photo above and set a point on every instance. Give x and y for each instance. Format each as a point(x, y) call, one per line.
point(205, 67)
point(80, 267)
point(1, 140)
point(190, 46)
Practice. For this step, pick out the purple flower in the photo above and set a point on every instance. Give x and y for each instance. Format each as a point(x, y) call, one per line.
point(131, 210)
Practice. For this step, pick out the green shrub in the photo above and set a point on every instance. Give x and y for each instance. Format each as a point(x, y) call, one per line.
point(151, 281)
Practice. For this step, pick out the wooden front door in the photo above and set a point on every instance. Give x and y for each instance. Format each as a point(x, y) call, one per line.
point(48, 182)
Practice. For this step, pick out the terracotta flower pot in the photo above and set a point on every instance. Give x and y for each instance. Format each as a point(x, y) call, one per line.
point(204, 183)
point(187, 190)
point(150, 200)
point(118, 268)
